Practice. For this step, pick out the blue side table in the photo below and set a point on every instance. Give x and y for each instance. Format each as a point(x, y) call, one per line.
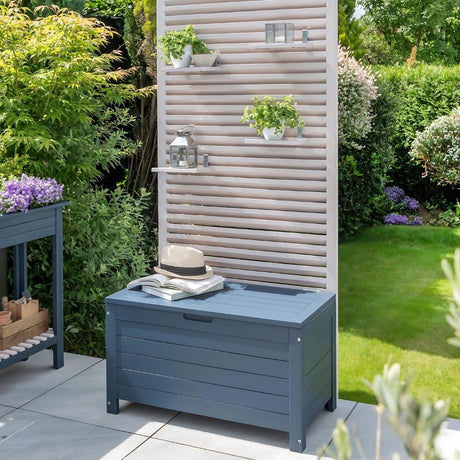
point(16, 230)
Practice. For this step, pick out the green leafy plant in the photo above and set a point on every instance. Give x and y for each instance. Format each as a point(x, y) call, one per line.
point(419, 95)
point(105, 247)
point(173, 43)
point(449, 218)
point(60, 100)
point(438, 149)
point(106, 8)
point(269, 112)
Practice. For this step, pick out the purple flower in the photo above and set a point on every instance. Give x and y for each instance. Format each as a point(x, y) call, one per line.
point(396, 219)
point(394, 193)
point(411, 203)
point(416, 221)
point(22, 194)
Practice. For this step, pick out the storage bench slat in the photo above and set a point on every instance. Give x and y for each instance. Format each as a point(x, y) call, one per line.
point(236, 379)
point(222, 342)
point(198, 406)
point(211, 358)
point(211, 392)
point(217, 326)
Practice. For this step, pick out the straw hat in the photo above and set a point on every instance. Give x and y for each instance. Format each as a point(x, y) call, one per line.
point(183, 262)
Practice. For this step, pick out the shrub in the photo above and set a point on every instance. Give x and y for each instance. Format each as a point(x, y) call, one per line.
point(357, 91)
point(60, 102)
point(64, 110)
point(418, 96)
point(105, 248)
point(401, 208)
point(364, 153)
point(438, 149)
point(449, 218)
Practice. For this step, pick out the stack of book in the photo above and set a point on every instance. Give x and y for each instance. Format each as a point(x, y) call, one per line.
point(176, 288)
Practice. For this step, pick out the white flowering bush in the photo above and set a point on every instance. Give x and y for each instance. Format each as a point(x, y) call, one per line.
point(438, 149)
point(356, 93)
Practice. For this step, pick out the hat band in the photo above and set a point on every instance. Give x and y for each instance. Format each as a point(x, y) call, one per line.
point(184, 271)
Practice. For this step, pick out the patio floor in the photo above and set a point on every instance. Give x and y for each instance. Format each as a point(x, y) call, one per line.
point(60, 414)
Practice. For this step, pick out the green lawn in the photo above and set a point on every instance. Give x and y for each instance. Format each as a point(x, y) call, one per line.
point(392, 304)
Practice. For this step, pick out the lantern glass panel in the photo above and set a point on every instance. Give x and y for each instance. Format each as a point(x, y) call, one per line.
point(174, 156)
point(192, 156)
point(269, 33)
point(289, 32)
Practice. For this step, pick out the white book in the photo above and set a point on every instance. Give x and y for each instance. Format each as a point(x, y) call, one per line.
point(193, 287)
point(175, 294)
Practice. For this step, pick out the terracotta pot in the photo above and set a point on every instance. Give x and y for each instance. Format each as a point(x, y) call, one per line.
point(5, 317)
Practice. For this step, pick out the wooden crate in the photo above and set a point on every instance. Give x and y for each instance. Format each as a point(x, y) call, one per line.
point(23, 329)
point(22, 311)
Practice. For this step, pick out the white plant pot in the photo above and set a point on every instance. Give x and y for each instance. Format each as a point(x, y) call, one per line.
point(185, 60)
point(269, 134)
point(205, 60)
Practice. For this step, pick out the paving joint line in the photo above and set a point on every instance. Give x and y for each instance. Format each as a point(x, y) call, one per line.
point(60, 417)
point(58, 384)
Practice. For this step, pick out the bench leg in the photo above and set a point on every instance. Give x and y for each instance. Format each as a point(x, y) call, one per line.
point(297, 440)
point(113, 405)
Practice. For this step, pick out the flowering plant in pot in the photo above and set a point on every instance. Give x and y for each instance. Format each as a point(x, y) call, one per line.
point(177, 46)
point(20, 195)
point(270, 116)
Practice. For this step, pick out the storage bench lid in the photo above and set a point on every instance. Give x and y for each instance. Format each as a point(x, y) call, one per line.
point(248, 302)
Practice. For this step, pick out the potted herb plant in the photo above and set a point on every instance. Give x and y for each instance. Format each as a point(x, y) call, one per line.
point(270, 116)
point(203, 56)
point(177, 46)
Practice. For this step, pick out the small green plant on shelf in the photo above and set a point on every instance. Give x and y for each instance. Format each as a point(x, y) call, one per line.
point(174, 43)
point(269, 112)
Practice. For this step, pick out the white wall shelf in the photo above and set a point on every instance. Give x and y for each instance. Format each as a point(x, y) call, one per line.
point(282, 142)
point(171, 170)
point(285, 46)
point(191, 70)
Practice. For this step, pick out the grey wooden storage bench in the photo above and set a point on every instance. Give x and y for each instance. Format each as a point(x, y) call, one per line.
point(252, 354)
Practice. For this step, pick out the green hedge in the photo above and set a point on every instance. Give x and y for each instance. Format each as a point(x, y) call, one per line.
point(419, 95)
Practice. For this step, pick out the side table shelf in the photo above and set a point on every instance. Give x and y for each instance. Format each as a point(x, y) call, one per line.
point(16, 230)
point(23, 350)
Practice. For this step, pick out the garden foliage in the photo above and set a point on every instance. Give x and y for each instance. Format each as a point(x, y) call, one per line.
point(63, 113)
point(430, 28)
point(416, 97)
point(59, 96)
point(357, 91)
point(438, 149)
point(364, 153)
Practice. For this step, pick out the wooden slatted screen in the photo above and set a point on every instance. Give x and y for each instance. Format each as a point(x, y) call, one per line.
point(262, 212)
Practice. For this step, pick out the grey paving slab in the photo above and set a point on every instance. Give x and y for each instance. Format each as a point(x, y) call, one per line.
point(453, 424)
point(164, 450)
point(319, 433)
point(4, 410)
point(26, 435)
point(83, 399)
point(243, 440)
point(25, 380)
point(362, 425)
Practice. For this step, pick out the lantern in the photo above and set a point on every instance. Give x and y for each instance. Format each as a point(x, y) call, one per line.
point(282, 32)
point(183, 151)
